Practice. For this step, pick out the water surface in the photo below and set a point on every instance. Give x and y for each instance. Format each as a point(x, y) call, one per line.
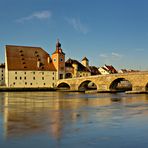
point(64, 119)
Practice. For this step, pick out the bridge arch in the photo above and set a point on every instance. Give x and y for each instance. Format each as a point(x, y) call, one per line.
point(87, 85)
point(120, 84)
point(146, 87)
point(63, 85)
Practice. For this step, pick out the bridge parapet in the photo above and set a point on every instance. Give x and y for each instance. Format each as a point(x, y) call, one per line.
point(138, 81)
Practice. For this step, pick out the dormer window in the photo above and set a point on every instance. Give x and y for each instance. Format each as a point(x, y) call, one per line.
point(54, 60)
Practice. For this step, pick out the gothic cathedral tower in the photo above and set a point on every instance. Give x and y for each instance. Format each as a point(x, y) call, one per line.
point(58, 58)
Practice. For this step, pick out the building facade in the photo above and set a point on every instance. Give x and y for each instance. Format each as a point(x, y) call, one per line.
point(2, 74)
point(28, 67)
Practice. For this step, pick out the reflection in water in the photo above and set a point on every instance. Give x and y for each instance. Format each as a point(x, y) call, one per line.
point(61, 114)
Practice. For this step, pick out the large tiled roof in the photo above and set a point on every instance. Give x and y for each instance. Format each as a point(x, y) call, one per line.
point(70, 62)
point(26, 58)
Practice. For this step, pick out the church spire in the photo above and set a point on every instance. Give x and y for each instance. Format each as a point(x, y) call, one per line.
point(58, 44)
point(58, 48)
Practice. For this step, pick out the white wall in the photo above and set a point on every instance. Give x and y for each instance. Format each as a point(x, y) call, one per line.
point(6, 70)
point(32, 79)
point(103, 71)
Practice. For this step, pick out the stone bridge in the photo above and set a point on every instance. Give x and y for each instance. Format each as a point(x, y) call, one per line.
point(138, 81)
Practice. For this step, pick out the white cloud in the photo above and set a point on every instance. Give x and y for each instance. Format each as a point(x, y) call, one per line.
point(77, 25)
point(116, 55)
point(103, 56)
point(111, 56)
point(45, 14)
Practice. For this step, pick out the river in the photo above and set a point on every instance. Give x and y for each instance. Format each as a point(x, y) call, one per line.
point(73, 120)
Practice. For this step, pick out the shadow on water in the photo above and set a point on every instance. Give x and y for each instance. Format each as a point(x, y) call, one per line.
point(116, 99)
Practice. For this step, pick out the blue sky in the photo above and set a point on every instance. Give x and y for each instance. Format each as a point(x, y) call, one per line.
point(113, 32)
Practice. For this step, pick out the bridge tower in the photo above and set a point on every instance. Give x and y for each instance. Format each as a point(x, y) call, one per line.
point(58, 58)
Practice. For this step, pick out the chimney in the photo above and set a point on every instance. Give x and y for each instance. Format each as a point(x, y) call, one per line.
point(48, 59)
point(38, 64)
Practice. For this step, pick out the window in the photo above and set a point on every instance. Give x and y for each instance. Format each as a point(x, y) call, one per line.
point(42, 73)
point(25, 83)
point(25, 73)
point(44, 83)
point(53, 73)
point(54, 60)
point(42, 78)
point(14, 83)
point(33, 78)
point(52, 78)
point(20, 78)
point(33, 72)
point(2, 74)
point(2, 78)
point(61, 76)
point(25, 78)
point(53, 84)
point(30, 83)
point(15, 78)
point(15, 72)
point(2, 70)
point(61, 60)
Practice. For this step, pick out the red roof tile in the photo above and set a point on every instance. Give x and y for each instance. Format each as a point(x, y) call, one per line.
point(26, 58)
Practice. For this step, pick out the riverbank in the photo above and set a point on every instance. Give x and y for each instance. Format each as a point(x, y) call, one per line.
point(12, 89)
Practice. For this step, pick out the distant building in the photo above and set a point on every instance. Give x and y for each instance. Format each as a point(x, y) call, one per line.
point(94, 70)
point(2, 74)
point(75, 69)
point(127, 71)
point(107, 69)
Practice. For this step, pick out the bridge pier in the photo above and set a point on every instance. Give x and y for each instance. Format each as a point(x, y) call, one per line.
point(138, 88)
point(102, 88)
point(73, 87)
